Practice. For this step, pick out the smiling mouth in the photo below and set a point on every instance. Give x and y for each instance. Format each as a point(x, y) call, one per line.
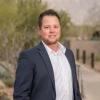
point(52, 36)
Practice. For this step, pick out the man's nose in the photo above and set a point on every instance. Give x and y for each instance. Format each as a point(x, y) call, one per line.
point(51, 29)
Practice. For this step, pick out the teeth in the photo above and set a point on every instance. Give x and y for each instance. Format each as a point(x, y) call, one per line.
point(52, 36)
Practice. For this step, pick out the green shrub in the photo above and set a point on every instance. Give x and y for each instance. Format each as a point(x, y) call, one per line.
point(97, 58)
point(4, 76)
point(8, 82)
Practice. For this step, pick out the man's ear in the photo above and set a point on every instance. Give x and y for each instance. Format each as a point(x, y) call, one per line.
point(39, 31)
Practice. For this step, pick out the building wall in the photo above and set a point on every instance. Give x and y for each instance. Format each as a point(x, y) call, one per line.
point(87, 45)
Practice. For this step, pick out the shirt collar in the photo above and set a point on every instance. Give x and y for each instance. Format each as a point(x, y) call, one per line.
point(61, 48)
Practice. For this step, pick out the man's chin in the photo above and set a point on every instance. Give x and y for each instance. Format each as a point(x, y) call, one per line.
point(52, 42)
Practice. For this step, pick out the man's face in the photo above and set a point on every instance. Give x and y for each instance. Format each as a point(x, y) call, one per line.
point(50, 30)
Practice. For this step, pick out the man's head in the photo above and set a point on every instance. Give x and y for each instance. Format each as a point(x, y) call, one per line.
point(48, 12)
point(49, 27)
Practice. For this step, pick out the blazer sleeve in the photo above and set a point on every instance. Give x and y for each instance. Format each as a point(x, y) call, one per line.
point(24, 78)
point(78, 92)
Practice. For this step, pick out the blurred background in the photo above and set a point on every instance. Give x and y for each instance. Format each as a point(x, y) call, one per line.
point(80, 22)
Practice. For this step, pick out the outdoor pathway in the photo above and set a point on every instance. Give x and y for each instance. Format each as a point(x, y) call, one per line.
point(90, 81)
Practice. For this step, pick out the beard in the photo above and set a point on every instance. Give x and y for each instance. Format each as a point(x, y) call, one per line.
point(49, 42)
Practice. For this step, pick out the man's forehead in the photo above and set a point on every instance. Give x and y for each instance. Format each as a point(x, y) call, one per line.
point(49, 16)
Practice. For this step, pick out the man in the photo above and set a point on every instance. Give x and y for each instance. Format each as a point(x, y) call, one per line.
point(47, 71)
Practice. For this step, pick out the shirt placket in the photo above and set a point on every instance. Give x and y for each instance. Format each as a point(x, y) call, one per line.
point(62, 73)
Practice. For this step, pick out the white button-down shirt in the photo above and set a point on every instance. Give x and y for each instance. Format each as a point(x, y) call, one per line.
point(62, 72)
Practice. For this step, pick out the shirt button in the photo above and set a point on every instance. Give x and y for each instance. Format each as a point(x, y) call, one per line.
point(66, 91)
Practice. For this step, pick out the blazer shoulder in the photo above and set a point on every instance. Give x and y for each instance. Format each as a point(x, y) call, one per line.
point(69, 51)
point(29, 53)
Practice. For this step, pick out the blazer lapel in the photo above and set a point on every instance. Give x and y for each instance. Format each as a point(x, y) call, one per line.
point(72, 65)
point(43, 53)
point(70, 62)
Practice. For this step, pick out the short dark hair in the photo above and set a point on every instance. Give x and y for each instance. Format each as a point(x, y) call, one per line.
point(48, 12)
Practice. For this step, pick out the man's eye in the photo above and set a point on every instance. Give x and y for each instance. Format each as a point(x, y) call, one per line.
point(46, 27)
point(56, 26)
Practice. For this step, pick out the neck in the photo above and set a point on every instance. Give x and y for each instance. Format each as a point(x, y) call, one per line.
point(54, 47)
